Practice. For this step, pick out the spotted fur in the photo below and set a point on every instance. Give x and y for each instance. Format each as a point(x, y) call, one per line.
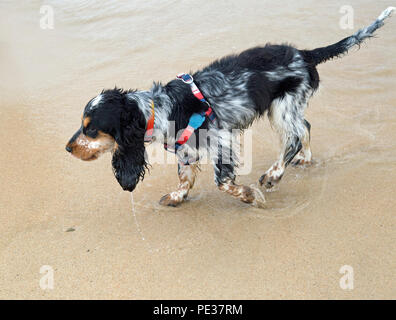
point(276, 80)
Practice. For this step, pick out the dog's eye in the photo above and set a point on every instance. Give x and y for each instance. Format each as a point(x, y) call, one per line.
point(91, 132)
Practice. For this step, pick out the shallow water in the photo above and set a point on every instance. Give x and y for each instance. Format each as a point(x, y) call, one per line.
point(339, 211)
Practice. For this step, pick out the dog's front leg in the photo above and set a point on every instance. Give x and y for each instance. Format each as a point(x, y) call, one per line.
point(225, 180)
point(187, 175)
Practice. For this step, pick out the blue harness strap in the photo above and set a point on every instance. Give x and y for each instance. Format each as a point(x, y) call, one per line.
point(197, 119)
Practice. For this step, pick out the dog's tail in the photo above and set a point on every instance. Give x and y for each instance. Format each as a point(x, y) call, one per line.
point(338, 49)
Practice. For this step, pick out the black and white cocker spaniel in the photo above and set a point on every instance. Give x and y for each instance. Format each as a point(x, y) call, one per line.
point(277, 80)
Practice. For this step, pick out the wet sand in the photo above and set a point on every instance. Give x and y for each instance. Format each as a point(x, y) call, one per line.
point(338, 212)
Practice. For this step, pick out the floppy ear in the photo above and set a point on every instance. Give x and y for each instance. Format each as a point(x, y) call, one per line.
point(129, 161)
point(129, 166)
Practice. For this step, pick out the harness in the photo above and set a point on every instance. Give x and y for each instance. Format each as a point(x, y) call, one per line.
point(150, 125)
point(195, 122)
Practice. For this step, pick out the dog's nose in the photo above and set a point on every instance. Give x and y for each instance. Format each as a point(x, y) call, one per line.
point(68, 149)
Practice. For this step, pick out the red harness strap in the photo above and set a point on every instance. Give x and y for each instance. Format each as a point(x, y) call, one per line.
point(196, 120)
point(188, 79)
point(150, 125)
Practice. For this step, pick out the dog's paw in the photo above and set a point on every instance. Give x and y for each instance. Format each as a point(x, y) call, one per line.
point(245, 193)
point(259, 199)
point(302, 159)
point(301, 163)
point(170, 200)
point(269, 181)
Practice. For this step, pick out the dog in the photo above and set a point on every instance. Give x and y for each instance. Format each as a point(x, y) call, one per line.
point(277, 80)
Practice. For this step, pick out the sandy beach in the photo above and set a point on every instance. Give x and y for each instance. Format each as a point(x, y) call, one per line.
point(73, 216)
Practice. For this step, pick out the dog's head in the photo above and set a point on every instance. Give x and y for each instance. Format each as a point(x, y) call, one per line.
point(113, 122)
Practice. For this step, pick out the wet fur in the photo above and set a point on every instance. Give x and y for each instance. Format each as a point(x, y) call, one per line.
point(277, 80)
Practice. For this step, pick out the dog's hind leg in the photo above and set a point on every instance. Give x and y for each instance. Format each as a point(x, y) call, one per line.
point(304, 157)
point(187, 175)
point(287, 118)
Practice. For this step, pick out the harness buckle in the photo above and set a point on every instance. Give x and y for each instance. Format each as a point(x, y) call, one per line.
point(186, 78)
